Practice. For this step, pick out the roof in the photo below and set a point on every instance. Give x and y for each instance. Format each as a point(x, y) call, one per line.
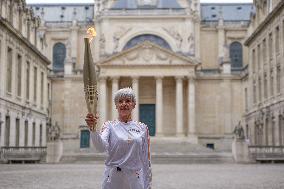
point(85, 12)
point(64, 12)
point(227, 11)
point(160, 4)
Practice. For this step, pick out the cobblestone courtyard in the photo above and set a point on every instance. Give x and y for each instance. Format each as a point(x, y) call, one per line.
point(195, 176)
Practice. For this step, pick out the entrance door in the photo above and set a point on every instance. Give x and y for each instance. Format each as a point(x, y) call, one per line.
point(147, 116)
point(85, 139)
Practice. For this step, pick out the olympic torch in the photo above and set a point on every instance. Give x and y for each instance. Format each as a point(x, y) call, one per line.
point(89, 76)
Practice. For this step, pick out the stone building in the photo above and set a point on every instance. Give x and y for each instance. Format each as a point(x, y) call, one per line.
point(264, 115)
point(175, 54)
point(23, 83)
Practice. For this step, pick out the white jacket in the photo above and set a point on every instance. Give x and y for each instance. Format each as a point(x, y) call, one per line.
point(127, 146)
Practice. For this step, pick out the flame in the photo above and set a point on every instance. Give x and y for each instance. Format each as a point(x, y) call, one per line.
point(91, 31)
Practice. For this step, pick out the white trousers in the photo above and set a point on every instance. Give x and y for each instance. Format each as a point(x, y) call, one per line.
point(124, 179)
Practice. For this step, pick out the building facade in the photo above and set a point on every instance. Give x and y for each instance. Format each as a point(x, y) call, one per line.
point(183, 59)
point(264, 114)
point(24, 84)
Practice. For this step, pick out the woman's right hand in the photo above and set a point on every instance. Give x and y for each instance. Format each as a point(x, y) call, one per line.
point(91, 121)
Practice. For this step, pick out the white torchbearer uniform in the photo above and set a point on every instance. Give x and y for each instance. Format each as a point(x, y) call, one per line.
point(127, 145)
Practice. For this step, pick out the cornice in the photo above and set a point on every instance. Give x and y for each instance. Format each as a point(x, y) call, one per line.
point(266, 21)
point(13, 31)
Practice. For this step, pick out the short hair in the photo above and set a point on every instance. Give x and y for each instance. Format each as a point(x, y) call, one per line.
point(124, 93)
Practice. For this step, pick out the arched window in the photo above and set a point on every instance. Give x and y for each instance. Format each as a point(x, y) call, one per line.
point(236, 55)
point(59, 54)
point(147, 37)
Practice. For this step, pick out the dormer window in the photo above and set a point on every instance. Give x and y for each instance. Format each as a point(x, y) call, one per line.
point(147, 2)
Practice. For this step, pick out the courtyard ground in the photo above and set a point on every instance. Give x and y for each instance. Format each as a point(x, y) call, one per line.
point(179, 176)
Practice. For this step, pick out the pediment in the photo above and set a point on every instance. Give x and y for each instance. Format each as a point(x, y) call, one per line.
point(148, 54)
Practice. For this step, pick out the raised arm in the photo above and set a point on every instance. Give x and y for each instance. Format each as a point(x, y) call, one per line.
point(99, 138)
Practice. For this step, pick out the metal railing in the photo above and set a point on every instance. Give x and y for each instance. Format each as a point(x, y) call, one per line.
point(35, 154)
point(269, 153)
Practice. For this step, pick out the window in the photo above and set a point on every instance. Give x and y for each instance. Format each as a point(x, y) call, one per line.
point(35, 84)
point(270, 46)
point(247, 132)
point(280, 130)
point(0, 54)
point(26, 132)
point(40, 135)
point(259, 90)
point(266, 131)
point(236, 55)
point(271, 83)
point(253, 60)
point(48, 93)
point(277, 47)
point(147, 37)
point(269, 6)
point(41, 87)
point(278, 79)
point(254, 92)
point(258, 57)
point(265, 86)
point(0, 127)
point(19, 75)
point(85, 139)
point(210, 146)
point(20, 21)
point(59, 55)
point(11, 12)
point(28, 80)
point(34, 130)
point(28, 29)
point(264, 57)
point(273, 132)
point(17, 132)
point(9, 70)
point(282, 33)
point(7, 131)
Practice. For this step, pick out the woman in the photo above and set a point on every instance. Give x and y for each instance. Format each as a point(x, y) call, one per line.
point(126, 143)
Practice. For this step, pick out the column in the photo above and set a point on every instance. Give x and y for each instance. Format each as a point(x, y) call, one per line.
point(179, 106)
point(44, 134)
point(277, 131)
point(191, 110)
point(221, 39)
point(102, 100)
point(114, 89)
point(3, 65)
point(135, 86)
point(159, 106)
point(30, 131)
point(74, 40)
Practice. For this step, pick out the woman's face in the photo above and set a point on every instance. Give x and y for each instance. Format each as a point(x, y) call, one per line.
point(125, 106)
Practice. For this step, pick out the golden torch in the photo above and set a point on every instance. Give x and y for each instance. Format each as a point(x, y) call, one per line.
point(89, 76)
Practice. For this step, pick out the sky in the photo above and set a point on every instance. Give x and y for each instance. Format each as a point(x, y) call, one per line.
point(91, 1)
